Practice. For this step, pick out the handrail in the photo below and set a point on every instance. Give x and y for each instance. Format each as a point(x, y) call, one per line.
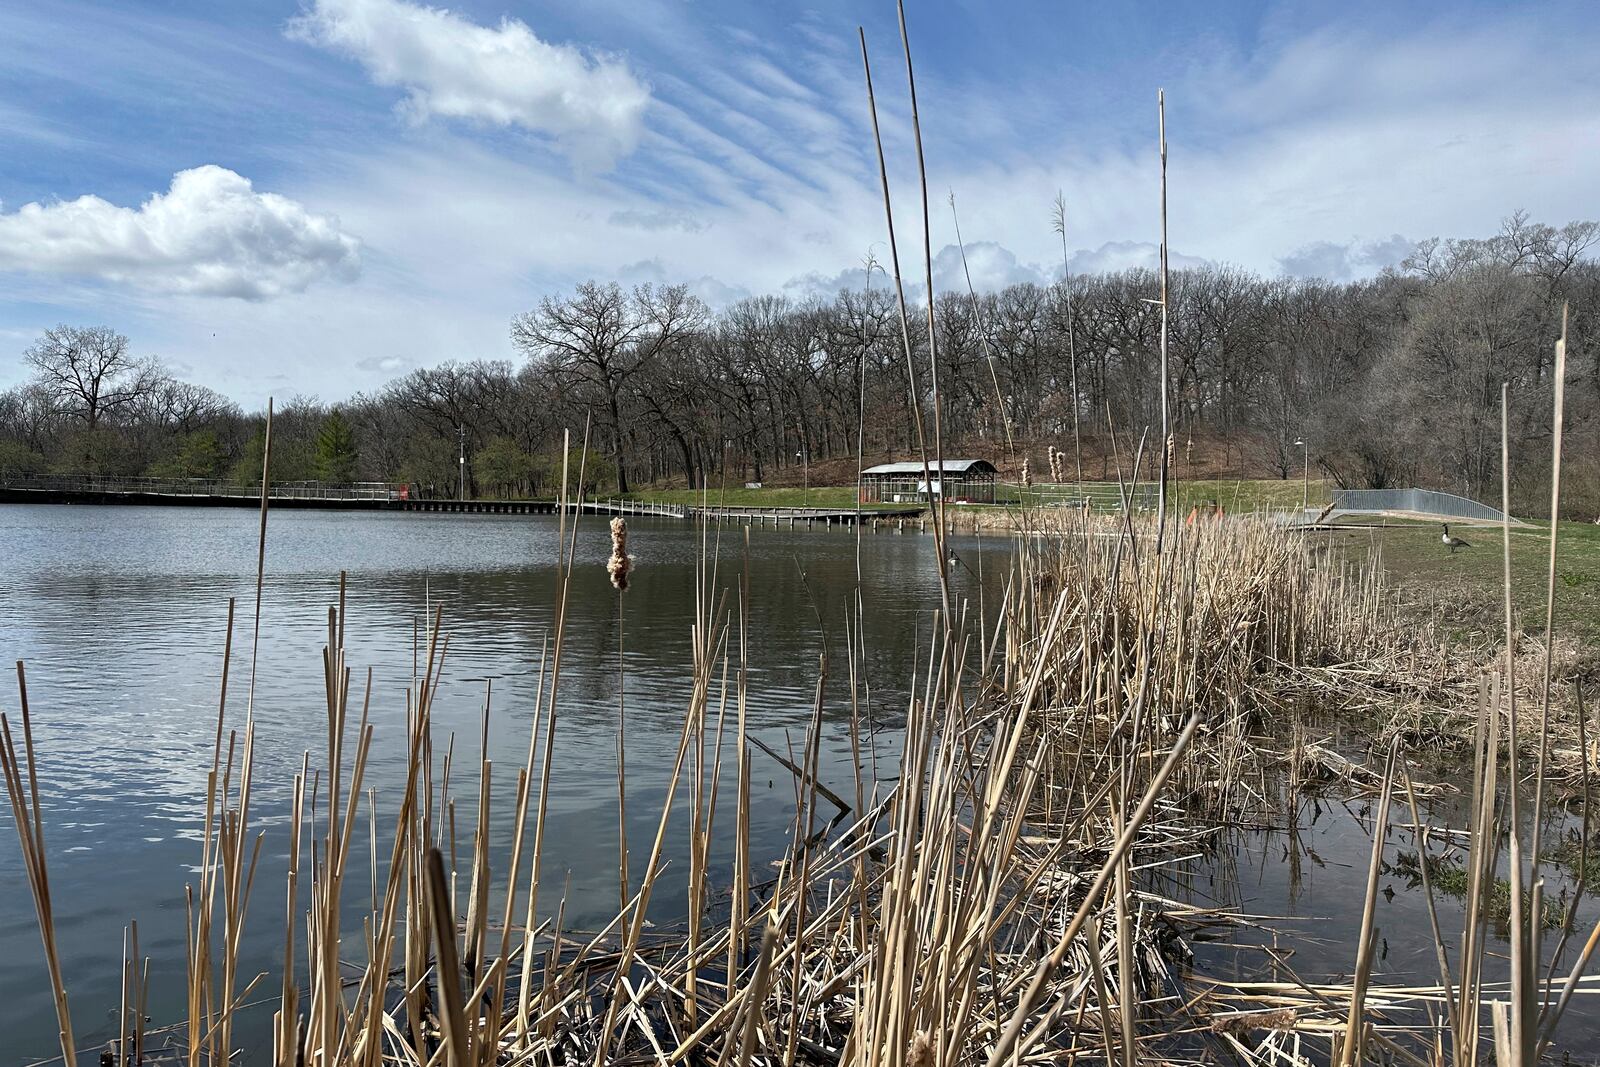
point(197, 487)
point(1415, 500)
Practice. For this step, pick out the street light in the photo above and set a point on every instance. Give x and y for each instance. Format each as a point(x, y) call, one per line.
point(461, 441)
point(1305, 474)
point(805, 464)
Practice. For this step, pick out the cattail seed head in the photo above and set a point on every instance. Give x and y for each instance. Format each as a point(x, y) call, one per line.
point(921, 1052)
point(620, 562)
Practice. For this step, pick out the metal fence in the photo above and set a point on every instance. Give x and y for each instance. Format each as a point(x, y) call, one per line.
point(90, 483)
point(1424, 501)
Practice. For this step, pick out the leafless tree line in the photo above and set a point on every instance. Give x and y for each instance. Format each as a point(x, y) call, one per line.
point(1390, 380)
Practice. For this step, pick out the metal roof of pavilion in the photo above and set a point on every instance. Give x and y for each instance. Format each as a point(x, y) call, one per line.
point(950, 466)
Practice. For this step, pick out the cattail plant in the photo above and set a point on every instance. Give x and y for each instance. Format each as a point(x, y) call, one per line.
point(620, 562)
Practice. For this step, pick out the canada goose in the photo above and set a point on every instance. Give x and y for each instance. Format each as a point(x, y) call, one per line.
point(956, 561)
point(1452, 543)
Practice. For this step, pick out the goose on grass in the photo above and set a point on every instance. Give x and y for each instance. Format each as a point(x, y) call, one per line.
point(1452, 543)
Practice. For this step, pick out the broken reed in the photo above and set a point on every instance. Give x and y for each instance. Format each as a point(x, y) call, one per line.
point(985, 908)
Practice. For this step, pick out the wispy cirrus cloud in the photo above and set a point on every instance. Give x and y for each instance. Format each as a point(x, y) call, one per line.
point(209, 234)
point(590, 104)
point(635, 219)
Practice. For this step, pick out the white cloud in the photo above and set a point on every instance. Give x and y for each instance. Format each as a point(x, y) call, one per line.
point(657, 220)
point(1115, 256)
point(714, 291)
point(815, 285)
point(591, 104)
point(1335, 262)
point(384, 364)
point(991, 267)
point(210, 234)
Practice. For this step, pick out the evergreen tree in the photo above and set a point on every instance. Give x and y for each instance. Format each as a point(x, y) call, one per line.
point(336, 449)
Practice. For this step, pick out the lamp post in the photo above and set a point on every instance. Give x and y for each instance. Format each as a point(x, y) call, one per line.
point(805, 466)
point(461, 462)
point(1305, 474)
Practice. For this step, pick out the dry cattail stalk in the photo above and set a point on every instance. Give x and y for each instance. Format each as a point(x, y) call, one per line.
point(620, 562)
point(1027, 479)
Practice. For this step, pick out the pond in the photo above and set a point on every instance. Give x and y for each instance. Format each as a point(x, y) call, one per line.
point(120, 615)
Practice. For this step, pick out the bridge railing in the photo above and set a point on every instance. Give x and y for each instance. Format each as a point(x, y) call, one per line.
point(212, 487)
point(1424, 501)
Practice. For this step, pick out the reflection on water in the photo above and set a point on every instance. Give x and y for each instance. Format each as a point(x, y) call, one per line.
point(1300, 884)
point(120, 615)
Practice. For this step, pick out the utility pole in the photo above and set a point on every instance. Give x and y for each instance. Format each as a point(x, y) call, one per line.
point(461, 442)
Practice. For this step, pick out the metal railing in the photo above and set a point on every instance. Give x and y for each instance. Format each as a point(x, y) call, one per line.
point(1423, 501)
point(196, 487)
point(625, 506)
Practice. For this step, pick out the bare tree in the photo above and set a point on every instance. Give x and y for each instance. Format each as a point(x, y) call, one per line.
point(89, 372)
point(28, 415)
point(182, 407)
point(601, 338)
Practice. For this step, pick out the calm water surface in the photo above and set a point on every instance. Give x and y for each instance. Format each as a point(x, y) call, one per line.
point(120, 615)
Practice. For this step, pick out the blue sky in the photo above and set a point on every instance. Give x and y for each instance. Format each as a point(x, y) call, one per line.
point(286, 197)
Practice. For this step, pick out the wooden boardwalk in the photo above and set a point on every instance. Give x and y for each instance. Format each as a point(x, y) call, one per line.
point(208, 494)
point(757, 516)
point(378, 496)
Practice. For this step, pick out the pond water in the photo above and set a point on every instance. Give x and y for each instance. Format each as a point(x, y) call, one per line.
point(120, 616)
point(1299, 881)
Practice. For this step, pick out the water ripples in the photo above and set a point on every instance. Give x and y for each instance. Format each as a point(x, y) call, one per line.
point(120, 614)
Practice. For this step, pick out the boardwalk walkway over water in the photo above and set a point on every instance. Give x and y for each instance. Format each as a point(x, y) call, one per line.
point(377, 496)
point(206, 492)
point(752, 515)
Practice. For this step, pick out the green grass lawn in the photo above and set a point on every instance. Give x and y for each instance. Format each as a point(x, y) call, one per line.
point(1236, 495)
point(1249, 494)
point(1466, 585)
